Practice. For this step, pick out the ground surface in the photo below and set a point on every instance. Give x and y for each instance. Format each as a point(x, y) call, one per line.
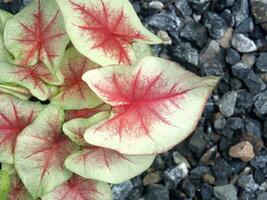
point(226, 157)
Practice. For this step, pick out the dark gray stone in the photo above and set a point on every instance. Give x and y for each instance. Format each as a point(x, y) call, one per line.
point(262, 196)
point(215, 24)
point(254, 83)
point(244, 102)
point(165, 21)
point(228, 18)
point(261, 102)
point(227, 103)
point(189, 188)
point(206, 191)
point(261, 62)
point(247, 26)
point(219, 123)
point(232, 56)
point(225, 192)
point(260, 161)
point(199, 6)
point(253, 126)
point(183, 8)
point(235, 123)
point(197, 144)
point(242, 43)
point(259, 10)
point(173, 176)
point(157, 192)
point(185, 54)
point(121, 191)
point(195, 33)
point(247, 196)
point(240, 10)
point(247, 183)
point(221, 169)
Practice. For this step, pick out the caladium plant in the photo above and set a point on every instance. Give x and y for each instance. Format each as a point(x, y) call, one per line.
point(83, 101)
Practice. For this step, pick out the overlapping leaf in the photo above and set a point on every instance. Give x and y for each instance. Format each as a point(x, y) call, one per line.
point(99, 163)
point(15, 115)
point(4, 16)
point(36, 34)
point(40, 153)
point(104, 30)
point(78, 188)
point(156, 104)
point(35, 78)
point(15, 90)
point(4, 185)
point(74, 92)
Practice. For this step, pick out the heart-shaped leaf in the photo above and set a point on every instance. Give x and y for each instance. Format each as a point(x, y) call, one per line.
point(74, 92)
point(156, 104)
point(33, 78)
point(104, 30)
point(40, 153)
point(78, 188)
point(36, 34)
point(99, 163)
point(18, 191)
point(15, 115)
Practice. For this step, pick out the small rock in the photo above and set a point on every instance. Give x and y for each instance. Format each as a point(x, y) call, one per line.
point(151, 178)
point(261, 62)
point(157, 192)
point(183, 8)
point(253, 126)
point(227, 103)
point(195, 33)
point(247, 183)
point(215, 24)
point(225, 192)
point(221, 169)
point(206, 157)
point(235, 123)
point(197, 144)
point(121, 191)
point(261, 102)
point(164, 36)
point(244, 195)
point(206, 192)
point(225, 41)
point(208, 178)
point(243, 44)
point(260, 161)
point(262, 196)
point(178, 159)
point(254, 83)
point(189, 188)
point(197, 173)
point(219, 123)
point(243, 151)
point(240, 10)
point(244, 101)
point(246, 26)
point(185, 54)
point(249, 59)
point(259, 10)
point(232, 56)
point(173, 176)
point(165, 21)
point(158, 5)
point(256, 142)
point(209, 53)
point(228, 18)
point(198, 6)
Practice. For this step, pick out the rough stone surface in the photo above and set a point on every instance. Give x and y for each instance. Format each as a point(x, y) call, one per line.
point(227, 103)
point(226, 192)
point(243, 44)
point(121, 191)
point(243, 150)
point(215, 24)
point(259, 9)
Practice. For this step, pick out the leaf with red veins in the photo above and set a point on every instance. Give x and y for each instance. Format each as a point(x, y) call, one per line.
point(18, 191)
point(78, 188)
point(40, 152)
point(4, 17)
point(33, 78)
point(99, 163)
point(104, 30)
point(37, 34)
point(74, 92)
point(15, 115)
point(156, 105)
